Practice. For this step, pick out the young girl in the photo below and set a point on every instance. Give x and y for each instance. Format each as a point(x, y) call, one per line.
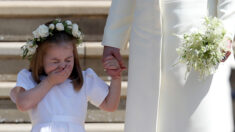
point(54, 90)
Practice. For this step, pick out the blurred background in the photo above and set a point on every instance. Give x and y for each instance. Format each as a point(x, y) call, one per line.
point(17, 21)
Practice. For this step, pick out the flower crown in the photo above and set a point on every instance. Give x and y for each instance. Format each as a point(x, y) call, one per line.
point(43, 31)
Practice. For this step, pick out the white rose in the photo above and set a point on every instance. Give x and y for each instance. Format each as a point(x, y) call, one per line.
point(68, 22)
point(79, 34)
point(31, 48)
point(52, 26)
point(59, 26)
point(41, 31)
point(30, 44)
point(76, 33)
point(70, 27)
point(36, 34)
point(58, 19)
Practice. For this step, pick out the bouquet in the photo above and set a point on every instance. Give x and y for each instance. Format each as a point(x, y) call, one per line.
point(204, 48)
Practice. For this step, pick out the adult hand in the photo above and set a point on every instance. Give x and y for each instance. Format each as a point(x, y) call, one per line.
point(228, 53)
point(115, 52)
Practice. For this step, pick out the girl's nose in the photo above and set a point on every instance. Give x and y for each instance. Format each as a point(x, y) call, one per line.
point(62, 66)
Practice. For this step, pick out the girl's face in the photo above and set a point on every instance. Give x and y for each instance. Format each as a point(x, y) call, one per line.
point(58, 56)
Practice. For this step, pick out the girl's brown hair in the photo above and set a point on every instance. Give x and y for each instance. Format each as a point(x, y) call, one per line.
point(36, 64)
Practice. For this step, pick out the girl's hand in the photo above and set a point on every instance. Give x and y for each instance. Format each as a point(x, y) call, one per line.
point(112, 67)
point(228, 53)
point(59, 75)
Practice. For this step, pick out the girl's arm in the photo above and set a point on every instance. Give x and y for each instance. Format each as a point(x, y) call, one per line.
point(26, 100)
point(112, 100)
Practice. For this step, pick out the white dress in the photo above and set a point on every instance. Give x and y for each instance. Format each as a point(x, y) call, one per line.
point(63, 109)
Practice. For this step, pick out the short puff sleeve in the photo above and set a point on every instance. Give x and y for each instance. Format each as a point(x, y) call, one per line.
point(25, 80)
point(96, 88)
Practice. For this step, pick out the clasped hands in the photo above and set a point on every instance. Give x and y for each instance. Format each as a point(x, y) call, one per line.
point(112, 62)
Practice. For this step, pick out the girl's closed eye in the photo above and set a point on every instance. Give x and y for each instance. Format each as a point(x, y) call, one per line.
point(69, 59)
point(55, 62)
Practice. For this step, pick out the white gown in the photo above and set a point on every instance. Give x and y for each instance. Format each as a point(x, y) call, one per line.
point(159, 99)
point(63, 109)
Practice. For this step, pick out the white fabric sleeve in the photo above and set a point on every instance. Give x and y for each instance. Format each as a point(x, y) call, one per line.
point(118, 25)
point(226, 12)
point(24, 80)
point(96, 88)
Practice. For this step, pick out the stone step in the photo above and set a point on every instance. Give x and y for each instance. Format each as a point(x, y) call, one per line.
point(90, 56)
point(51, 8)
point(20, 28)
point(19, 18)
point(90, 127)
point(15, 116)
point(12, 77)
point(88, 49)
point(5, 88)
point(54, 0)
point(10, 114)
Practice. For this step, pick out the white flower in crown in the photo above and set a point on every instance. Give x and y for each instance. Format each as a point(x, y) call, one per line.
point(60, 27)
point(58, 19)
point(31, 47)
point(52, 26)
point(68, 22)
point(75, 31)
point(70, 26)
point(41, 32)
point(36, 34)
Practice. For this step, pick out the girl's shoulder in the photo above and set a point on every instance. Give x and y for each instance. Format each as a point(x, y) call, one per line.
point(25, 73)
point(90, 73)
point(25, 79)
point(91, 78)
